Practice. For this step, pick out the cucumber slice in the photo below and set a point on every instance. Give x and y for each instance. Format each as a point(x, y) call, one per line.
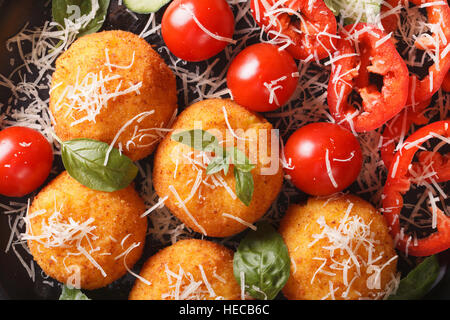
point(145, 6)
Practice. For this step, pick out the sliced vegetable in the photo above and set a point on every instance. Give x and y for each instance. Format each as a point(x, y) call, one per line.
point(96, 165)
point(398, 183)
point(262, 262)
point(397, 128)
point(438, 13)
point(446, 82)
point(354, 71)
point(282, 21)
point(419, 281)
point(145, 6)
point(69, 293)
point(96, 10)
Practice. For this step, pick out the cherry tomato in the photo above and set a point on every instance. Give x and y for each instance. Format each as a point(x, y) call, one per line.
point(26, 159)
point(186, 23)
point(326, 158)
point(262, 78)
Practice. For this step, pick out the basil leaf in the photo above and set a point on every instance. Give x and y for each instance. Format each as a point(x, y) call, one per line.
point(355, 10)
point(244, 185)
point(75, 9)
point(218, 164)
point(264, 259)
point(419, 281)
point(240, 160)
point(72, 294)
point(84, 161)
point(197, 139)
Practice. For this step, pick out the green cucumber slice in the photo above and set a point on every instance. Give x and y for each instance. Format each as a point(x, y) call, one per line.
point(145, 6)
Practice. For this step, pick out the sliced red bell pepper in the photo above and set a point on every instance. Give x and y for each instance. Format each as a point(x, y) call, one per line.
point(424, 89)
point(399, 126)
point(366, 51)
point(438, 14)
point(308, 26)
point(398, 183)
point(390, 19)
point(446, 82)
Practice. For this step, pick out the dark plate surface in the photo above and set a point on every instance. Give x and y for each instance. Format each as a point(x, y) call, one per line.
point(15, 283)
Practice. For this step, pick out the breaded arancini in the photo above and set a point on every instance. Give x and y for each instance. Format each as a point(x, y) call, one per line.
point(340, 248)
point(85, 82)
point(174, 268)
point(77, 231)
point(212, 205)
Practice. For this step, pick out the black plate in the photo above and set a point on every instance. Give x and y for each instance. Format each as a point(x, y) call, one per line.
point(14, 280)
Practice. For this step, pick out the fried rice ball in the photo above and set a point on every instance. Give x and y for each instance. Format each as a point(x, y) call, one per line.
point(188, 270)
point(209, 202)
point(340, 248)
point(113, 83)
point(84, 237)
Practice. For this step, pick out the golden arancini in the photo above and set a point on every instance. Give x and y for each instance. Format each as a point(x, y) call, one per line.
point(84, 237)
point(208, 203)
point(188, 270)
point(112, 86)
point(340, 248)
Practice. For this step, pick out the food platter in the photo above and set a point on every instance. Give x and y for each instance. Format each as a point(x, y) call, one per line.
point(17, 282)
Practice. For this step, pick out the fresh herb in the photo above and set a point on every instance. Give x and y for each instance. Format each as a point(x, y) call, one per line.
point(263, 258)
point(244, 185)
point(145, 6)
point(197, 139)
point(75, 9)
point(355, 10)
point(69, 293)
point(419, 281)
point(204, 141)
point(84, 160)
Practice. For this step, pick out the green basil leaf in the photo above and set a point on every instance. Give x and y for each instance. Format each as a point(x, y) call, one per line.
point(72, 294)
point(218, 164)
point(244, 185)
point(419, 281)
point(197, 139)
point(84, 161)
point(263, 258)
point(355, 10)
point(240, 160)
point(145, 6)
point(74, 9)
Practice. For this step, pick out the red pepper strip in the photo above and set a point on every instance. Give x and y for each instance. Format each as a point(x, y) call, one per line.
point(446, 82)
point(399, 126)
point(437, 162)
point(309, 25)
point(389, 22)
point(398, 184)
point(422, 90)
point(374, 57)
point(438, 14)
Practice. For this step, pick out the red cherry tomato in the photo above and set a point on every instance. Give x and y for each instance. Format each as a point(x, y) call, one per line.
point(326, 158)
point(186, 25)
point(262, 78)
point(26, 159)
